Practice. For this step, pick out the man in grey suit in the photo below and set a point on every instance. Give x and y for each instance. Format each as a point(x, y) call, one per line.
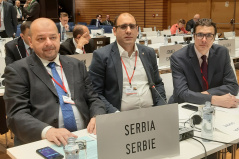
point(202, 71)
point(8, 27)
point(31, 10)
point(48, 95)
point(125, 74)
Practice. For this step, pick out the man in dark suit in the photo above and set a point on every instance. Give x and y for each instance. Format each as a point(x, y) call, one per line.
point(31, 10)
point(8, 26)
point(125, 74)
point(44, 96)
point(107, 21)
point(202, 71)
point(19, 47)
point(98, 21)
point(191, 23)
point(19, 11)
point(63, 26)
point(81, 42)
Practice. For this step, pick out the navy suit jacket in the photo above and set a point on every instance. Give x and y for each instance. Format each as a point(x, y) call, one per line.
point(187, 77)
point(31, 99)
point(107, 77)
point(93, 22)
point(15, 50)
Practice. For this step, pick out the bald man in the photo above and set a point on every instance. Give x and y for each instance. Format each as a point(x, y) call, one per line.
point(44, 97)
point(81, 43)
point(191, 23)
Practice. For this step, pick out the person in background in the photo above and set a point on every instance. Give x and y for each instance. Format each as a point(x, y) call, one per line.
point(191, 23)
point(20, 17)
point(63, 26)
point(202, 70)
point(124, 73)
point(19, 47)
point(47, 95)
point(31, 10)
point(107, 21)
point(98, 21)
point(81, 42)
point(8, 23)
point(178, 28)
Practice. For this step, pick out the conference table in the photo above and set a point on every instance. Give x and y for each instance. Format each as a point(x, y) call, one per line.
point(189, 148)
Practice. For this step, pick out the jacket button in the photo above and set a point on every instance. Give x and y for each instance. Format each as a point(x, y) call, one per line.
point(57, 100)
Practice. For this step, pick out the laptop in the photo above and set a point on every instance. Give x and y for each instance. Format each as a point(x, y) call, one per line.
point(165, 52)
point(86, 58)
point(138, 134)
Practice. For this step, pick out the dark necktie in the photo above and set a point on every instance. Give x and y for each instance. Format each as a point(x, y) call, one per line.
point(30, 49)
point(63, 34)
point(204, 72)
point(67, 112)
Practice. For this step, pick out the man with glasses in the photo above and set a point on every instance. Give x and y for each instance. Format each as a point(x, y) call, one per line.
point(202, 71)
point(191, 23)
point(81, 42)
point(125, 74)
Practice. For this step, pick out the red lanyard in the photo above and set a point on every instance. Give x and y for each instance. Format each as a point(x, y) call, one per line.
point(130, 79)
point(62, 86)
point(204, 79)
point(27, 53)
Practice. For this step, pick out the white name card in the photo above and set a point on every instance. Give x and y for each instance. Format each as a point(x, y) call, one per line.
point(138, 134)
point(229, 44)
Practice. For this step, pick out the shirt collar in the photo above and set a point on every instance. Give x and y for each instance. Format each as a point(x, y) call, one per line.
point(125, 53)
point(199, 55)
point(61, 25)
point(46, 62)
point(26, 46)
point(74, 42)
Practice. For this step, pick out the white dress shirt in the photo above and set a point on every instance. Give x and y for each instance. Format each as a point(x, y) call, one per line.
point(27, 47)
point(199, 55)
point(143, 98)
point(19, 12)
point(78, 117)
point(65, 36)
point(2, 28)
point(79, 51)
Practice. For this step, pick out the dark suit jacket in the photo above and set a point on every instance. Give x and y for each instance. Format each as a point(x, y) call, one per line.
point(68, 47)
point(190, 24)
point(105, 23)
point(187, 78)
point(31, 99)
point(93, 22)
point(10, 18)
point(34, 11)
point(107, 78)
point(17, 11)
point(15, 50)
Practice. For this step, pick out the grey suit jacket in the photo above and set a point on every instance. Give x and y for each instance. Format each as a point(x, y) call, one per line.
point(187, 78)
point(10, 18)
point(107, 77)
point(33, 12)
point(68, 47)
point(31, 99)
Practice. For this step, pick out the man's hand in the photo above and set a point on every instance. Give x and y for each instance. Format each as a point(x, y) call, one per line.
point(204, 92)
point(84, 39)
point(67, 27)
point(91, 128)
point(227, 101)
point(59, 135)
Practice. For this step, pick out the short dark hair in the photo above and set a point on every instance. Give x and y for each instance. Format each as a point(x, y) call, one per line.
point(63, 14)
point(116, 18)
point(205, 22)
point(182, 21)
point(78, 29)
point(98, 15)
point(25, 25)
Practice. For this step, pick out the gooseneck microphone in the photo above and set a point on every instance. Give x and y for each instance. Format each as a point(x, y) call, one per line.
point(152, 85)
point(19, 51)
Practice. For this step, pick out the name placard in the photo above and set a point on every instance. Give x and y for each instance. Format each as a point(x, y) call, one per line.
point(165, 52)
point(142, 133)
point(230, 44)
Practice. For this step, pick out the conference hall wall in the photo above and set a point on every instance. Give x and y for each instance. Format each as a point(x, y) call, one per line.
point(221, 11)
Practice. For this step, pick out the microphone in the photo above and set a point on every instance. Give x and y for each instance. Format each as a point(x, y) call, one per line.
point(152, 85)
point(14, 36)
point(19, 51)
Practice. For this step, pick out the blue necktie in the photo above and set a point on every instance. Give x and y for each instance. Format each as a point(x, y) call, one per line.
point(67, 112)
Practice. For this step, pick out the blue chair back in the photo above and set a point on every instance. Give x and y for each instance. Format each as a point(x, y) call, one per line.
point(18, 32)
point(107, 28)
point(92, 27)
point(82, 23)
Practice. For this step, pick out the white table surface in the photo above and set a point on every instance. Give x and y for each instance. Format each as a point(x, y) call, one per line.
point(188, 148)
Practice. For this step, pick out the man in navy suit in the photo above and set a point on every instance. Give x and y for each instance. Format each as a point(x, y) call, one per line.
point(125, 74)
point(19, 47)
point(97, 22)
point(202, 71)
point(63, 26)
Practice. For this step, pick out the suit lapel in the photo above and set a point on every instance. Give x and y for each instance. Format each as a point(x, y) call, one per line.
point(21, 47)
point(68, 70)
point(143, 57)
point(72, 47)
point(195, 64)
point(118, 66)
point(212, 61)
point(39, 70)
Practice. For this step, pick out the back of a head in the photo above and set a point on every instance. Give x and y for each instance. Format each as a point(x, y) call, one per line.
point(25, 25)
point(206, 22)
point(78, 29)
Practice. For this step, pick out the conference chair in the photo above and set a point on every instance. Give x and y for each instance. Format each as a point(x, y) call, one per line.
point(151, 33)
point(166, 32)
point(155, 40)
point(229, 35)
point(147, 29)
point(107, 28)
point(82, 23)
point(177, 39)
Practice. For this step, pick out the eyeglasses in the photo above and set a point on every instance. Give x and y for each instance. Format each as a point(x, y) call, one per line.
point(208, 36)
point(125, 26)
